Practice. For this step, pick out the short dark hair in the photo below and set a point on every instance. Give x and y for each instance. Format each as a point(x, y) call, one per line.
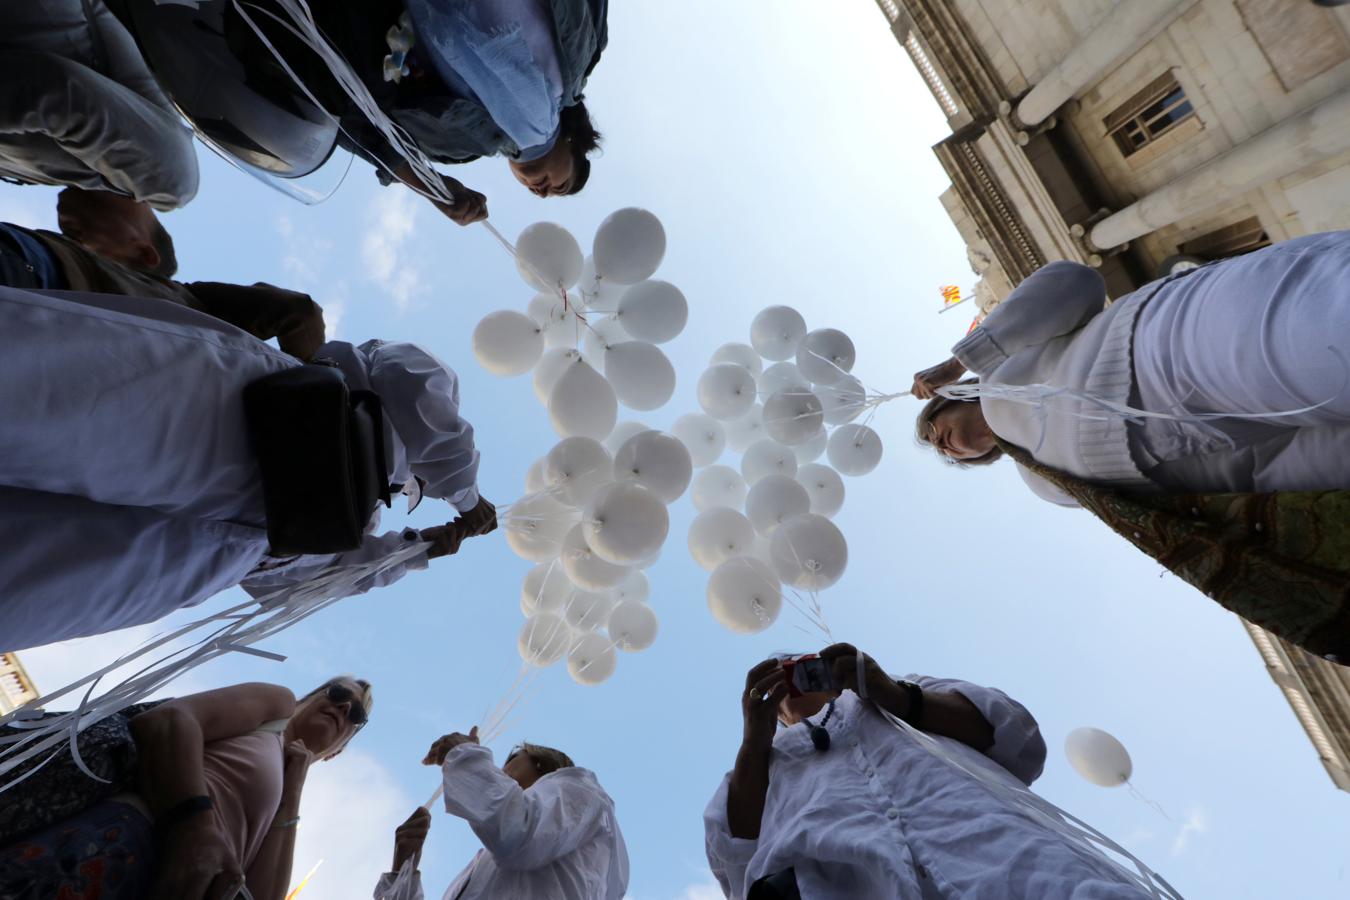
point(574, 126)
point(162, 241)
point(545, 759)
point(923, 430)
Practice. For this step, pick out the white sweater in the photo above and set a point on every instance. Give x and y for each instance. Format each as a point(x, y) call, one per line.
point(1054, 330)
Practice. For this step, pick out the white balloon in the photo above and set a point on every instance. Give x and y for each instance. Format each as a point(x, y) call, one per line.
point(776, 331)
point(810, 449)
point(767, 457)
point(726, 391)
point(592, 659)
point(632, 626)
point(744, 596)
point(507, 343)
point(621, 433)
point(792, 415)
point(657, 461)
point(576, 467)
point(588, 610)
point(629, 246)
point(745, 430)
point(718, 486)
point(826, 355)
point(741, 355)
point(545, 589)
point(719, 534)
point(641, 375)
point(536, 525)
point(596, 292)
point(543, 640)
point(582, 403)
point(535, 480)
point(635, 588)
point(779, 376)
point(584, 567)
point(824, 487)
point(548, 257)
point(598, 335)
point(1098, 757)
point(625, 522)
point(854, 449)
point(773, 500)
point(702, 435)
point(653, 310)
point(551, 366)
point(843, 400)
point(809, 552)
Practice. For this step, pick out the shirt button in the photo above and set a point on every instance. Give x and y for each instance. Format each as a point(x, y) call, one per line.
point(871, 773)
point(892, 813)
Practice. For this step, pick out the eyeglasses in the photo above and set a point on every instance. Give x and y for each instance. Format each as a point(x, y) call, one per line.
point(356, 712)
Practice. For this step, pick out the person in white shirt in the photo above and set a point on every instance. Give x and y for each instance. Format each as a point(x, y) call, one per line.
point(548, 828)
point(841, 803)
point(128, 483)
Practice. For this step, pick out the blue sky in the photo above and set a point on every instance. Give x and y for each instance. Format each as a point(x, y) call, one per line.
point(786, 148)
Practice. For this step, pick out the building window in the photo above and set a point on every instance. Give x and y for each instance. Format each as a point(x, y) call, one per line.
point(1300, 40)
point(890, 8)
point(1231, 240)
point(1149, 114)
point(930, 75)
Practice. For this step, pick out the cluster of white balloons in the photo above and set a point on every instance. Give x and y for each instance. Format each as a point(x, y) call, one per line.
point(594, 513)
point(780, 401)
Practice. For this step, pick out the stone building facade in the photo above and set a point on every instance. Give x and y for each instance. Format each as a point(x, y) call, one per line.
point(16, 688)
point(1137, 136)
point(1134, 135)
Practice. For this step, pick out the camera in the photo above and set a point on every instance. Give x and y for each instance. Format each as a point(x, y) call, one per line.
point(808, 674)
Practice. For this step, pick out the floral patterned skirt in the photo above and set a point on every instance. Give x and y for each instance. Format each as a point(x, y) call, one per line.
point(104, 853)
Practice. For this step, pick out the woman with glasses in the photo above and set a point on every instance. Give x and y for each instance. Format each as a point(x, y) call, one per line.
point(210, 788)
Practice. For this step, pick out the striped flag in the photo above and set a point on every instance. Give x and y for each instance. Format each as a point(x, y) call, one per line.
point(951, 294)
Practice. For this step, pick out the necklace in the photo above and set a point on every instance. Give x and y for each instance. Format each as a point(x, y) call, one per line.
point(820, 737)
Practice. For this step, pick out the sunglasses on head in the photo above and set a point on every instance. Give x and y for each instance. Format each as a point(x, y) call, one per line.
point(356, 713)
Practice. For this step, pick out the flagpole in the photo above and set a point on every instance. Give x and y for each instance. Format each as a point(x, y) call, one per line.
point(951, 305)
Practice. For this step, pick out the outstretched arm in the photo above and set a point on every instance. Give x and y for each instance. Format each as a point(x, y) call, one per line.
point(1053, 301)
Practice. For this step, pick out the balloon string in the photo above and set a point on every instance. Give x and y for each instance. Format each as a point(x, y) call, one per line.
point(1138, 795)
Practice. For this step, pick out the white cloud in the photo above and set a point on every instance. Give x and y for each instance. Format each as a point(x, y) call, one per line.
point(393, 214)
point(348, 813)
point(1196, 823)
point(303, 255)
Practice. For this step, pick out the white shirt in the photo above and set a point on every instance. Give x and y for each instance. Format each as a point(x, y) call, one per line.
point(425, 436)
point(879, 816)
point(559, 840)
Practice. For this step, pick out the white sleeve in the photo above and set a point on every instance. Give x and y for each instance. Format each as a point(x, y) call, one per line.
point(420, 395)
point(1018, 745)
point(522, 829)
point(374, 551)
point(1053, 301)
point(1044, 489)
point(391, 887)
point(728, 856)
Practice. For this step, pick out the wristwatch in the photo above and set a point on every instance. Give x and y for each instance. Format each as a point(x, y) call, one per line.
point(914, 707)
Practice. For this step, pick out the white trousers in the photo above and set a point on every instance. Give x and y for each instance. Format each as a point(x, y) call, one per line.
point(127, 484)
point(1263, 333)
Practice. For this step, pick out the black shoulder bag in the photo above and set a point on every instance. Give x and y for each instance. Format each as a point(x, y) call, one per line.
point(321, 449)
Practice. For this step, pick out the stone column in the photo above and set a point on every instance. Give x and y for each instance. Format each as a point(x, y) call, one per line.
point(1306, 138)
point(1128, 27)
